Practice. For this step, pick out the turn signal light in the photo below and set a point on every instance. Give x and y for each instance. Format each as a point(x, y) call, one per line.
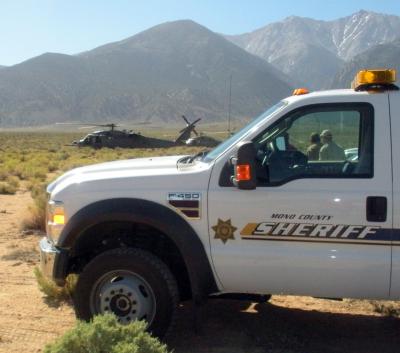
point(300, 91)
point(59, 219)
point(243, 172)
point(374, 77)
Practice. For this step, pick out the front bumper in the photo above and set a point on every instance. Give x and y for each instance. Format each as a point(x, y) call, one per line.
point(53, 261)
point(48, 253)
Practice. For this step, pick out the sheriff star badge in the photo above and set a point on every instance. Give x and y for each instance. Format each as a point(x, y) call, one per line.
point(224, 230)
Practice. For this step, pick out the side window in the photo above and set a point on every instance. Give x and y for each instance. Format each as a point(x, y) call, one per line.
point(323, 141)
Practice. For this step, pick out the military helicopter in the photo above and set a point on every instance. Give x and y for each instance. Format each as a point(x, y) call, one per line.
point(113, 137)
point(185, 136)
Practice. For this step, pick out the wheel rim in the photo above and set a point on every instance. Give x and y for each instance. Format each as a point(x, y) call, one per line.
point(124, 293)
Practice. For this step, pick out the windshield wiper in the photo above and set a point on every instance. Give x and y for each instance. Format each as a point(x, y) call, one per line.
point(192, 158)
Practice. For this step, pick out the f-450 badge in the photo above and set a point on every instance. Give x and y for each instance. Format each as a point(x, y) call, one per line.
point(187, 203)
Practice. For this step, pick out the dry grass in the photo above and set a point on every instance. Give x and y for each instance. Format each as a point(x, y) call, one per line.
point(40, 157)
point(9, 184)
point(7, 189)
point(53, 292)
point(34, 220)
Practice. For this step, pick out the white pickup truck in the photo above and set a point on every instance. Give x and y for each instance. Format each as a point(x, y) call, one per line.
point(304, 200)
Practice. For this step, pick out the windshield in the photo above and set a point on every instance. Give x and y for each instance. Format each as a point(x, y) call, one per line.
point(224, 145)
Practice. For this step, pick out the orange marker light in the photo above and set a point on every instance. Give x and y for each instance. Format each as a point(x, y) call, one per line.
point(58, 219)
point(300, 91)
point(243, 172)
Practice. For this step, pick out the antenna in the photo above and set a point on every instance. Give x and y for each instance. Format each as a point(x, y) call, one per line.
point(229, 104)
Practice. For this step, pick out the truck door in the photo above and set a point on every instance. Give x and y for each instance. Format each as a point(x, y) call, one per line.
point(395, 123)
point(319, 221)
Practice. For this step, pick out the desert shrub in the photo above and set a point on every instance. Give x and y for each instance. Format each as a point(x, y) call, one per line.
point(39, 195)
point(3, 173)
point(63, 156)
point(32, 184)
point(52, 167)
point(7, 189)
point(34, 171)
point(105, 334)
point(36, 218)
point(16, 169)
point(53, 292)
point(13, 181)
point(386, 308)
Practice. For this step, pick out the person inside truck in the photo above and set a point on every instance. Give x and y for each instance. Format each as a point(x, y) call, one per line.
point(314, 148)
point(330, 151)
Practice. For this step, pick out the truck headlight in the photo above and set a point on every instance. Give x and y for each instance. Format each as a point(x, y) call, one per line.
point(56, 219)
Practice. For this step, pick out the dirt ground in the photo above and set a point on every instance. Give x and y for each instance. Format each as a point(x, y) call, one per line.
point(284, 325)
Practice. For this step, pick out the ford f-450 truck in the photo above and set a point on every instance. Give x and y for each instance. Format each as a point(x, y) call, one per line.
point(304, 200)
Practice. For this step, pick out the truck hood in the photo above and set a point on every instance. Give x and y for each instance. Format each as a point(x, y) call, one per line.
point(140, 166)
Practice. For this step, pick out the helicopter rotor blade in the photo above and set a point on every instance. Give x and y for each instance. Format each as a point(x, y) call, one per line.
point(85, 127)
point(196, 121)
point(88, 124)
point(70, 124)
point(186, 121)
point(109, 125)
point(190, 126)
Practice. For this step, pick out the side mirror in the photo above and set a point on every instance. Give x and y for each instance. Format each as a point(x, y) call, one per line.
point(244, 166)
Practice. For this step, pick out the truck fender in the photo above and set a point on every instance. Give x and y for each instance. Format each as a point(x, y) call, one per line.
point(153, 214)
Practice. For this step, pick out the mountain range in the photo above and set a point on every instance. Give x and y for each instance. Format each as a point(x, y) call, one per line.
point(312, 51)
point(382, 55)
point(157, 75)
point(182, 67)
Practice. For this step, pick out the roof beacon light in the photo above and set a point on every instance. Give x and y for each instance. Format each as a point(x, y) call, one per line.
point(374, 79)
point(300, 91)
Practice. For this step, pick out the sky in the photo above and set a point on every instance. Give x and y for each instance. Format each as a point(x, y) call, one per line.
point(32, 27)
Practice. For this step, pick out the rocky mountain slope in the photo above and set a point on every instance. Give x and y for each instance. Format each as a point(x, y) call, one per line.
point(171, 69)
point(380, 56)
point(309, 50)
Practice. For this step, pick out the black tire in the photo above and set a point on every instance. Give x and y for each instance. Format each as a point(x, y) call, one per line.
point(136, 262)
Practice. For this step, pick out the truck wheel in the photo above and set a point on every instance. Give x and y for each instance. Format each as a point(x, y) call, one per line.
point(131, 283)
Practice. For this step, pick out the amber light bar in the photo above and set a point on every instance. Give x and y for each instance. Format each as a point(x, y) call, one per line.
point(374, 77)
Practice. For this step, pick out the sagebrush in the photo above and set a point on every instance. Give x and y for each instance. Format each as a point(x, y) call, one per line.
point(105, 335)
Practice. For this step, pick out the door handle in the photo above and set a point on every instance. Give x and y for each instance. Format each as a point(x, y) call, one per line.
point(376, 208)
